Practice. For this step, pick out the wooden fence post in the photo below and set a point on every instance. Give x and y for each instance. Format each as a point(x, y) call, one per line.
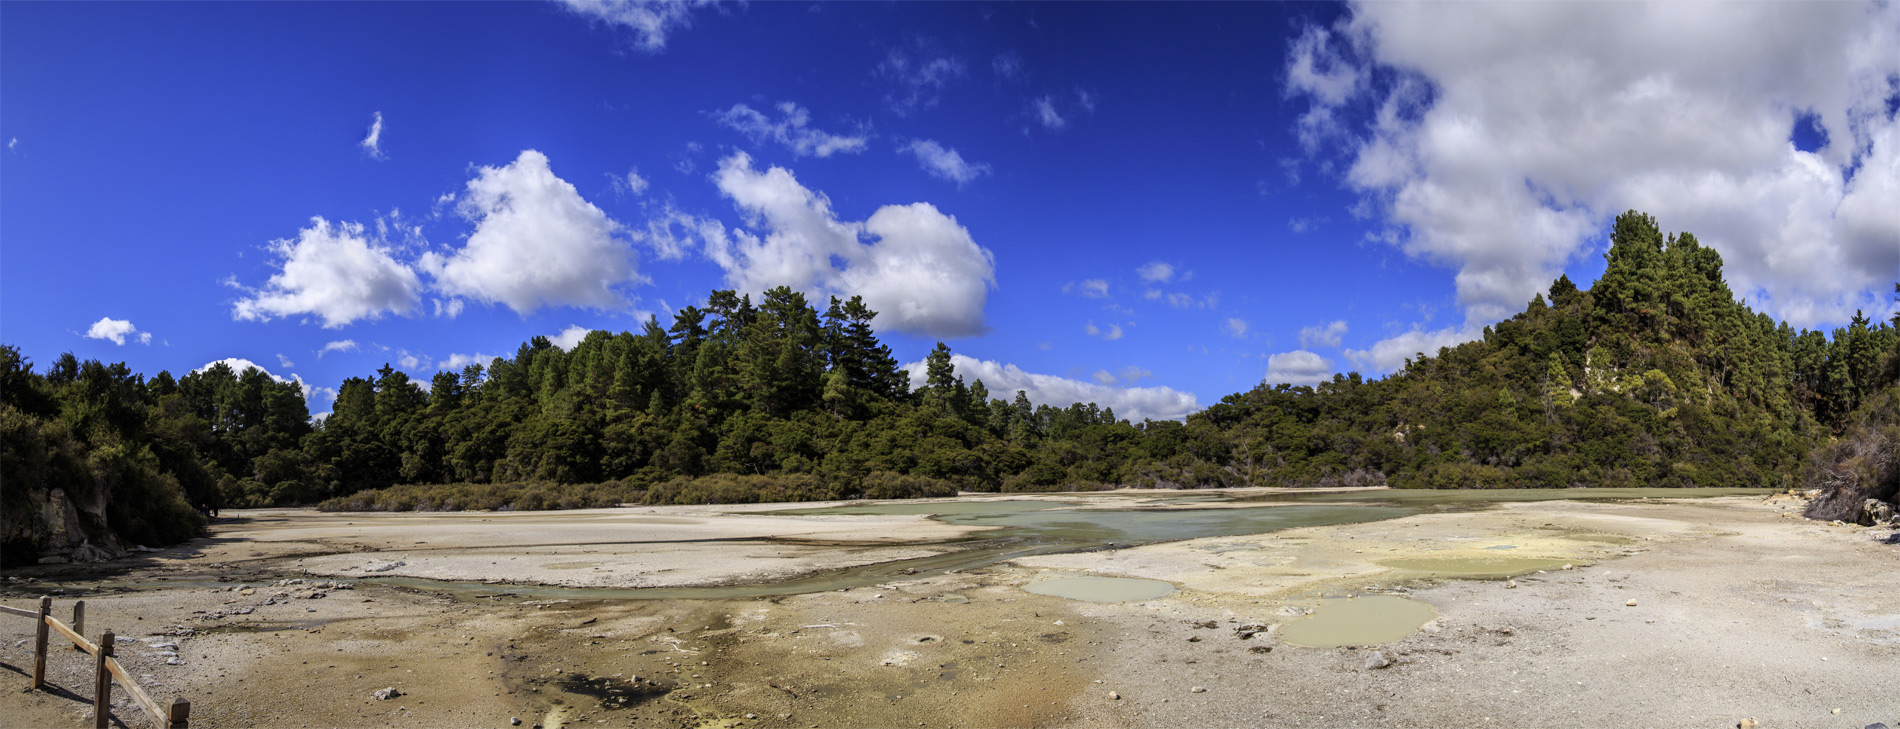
point(39, 644)
point(79, 622)
point(102, 684)
point(180, 714)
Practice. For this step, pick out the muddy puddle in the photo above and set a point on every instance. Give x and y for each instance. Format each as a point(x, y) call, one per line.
point(1358, 621)
point(1102, 589)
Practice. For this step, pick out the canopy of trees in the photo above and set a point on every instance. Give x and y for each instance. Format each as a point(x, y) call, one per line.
point(1655, 376)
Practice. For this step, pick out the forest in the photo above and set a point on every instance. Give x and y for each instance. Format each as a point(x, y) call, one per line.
point(1654, 376)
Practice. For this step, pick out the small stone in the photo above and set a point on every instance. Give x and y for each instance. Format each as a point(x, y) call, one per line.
point(1114, 696)
point(1198, 690)
point(385, 694)
point(1377, 661)
point(1510, 584)
point(1058, 622)
point(1875, 725)
point(751, 716)
point(514, 721)
point(1748, 724)
point(1570, 566)
point(1837, 711)
point(1631, 603)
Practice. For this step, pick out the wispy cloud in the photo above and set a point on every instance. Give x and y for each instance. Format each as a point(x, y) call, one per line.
point(944, 163)
point(792, 129)
point(372, 143)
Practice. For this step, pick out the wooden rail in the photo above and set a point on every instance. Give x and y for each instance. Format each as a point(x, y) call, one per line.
point(176, 715)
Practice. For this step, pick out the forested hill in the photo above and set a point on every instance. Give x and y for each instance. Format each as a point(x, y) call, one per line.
point(1654, 376)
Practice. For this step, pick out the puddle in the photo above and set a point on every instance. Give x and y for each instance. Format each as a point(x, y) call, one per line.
point(614, 693)
point(1102, 589)
point(1364, 620)
point(1479, 567)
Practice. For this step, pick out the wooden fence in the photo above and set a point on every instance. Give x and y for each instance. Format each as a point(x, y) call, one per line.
point(177, 715)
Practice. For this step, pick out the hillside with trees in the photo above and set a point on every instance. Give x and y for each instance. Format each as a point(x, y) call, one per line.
point(1654, 376)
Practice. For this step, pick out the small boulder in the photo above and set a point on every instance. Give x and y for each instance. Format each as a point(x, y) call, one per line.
point(1631, 603)
point(1116, 696)
point(1874, 512)
point(1377, 661)
point(385, 694)
point(1748, 724)
point(514, 721)
point(1198, 690)
point(1510, 584)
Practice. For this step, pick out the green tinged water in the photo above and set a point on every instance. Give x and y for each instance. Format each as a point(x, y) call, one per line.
point(1027, 527)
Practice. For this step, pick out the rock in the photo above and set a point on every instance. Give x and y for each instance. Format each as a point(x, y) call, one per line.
point(1875, 725)
point(1631, 603)
point(1114, 696)
point(1198, 690)
point(1377, 661)
point(514, 721)
point(1260, 649)
point(1748, 724)
point(1510, 584)
point(1570, 566)
point(385, 694)
point(1874, 512)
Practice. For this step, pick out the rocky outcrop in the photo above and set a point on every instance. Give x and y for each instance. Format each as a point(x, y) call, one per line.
point(56, 528)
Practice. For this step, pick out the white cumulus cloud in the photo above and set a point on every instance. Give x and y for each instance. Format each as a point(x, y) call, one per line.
point(536, 243)
point(1236, 327)
point(569, 337)
point(1134, 404)
point(341, 345)
point(944, 163)
point(116, 330)
point(456, 362)
point(1322, 336)
point(1156, 271)
point(335, 272)
point(312, 394)
point(792, 129)
point(650, 20)
point(914, 265)
point(1298, 367)
point(1510, 134)
point(1112, 333)
point(1390, 353)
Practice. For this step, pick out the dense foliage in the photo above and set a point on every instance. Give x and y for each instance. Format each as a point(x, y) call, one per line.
point(1654, 376)
point(134, 460)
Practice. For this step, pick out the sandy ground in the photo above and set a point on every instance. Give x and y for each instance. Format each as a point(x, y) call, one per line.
point(1741, 612)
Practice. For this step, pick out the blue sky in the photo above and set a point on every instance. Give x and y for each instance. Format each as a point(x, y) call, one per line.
point(1148, 205)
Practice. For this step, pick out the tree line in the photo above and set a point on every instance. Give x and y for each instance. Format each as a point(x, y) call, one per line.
point(1655, 375)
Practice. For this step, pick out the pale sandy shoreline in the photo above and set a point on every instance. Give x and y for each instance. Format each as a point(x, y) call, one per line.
point(1737, 605)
